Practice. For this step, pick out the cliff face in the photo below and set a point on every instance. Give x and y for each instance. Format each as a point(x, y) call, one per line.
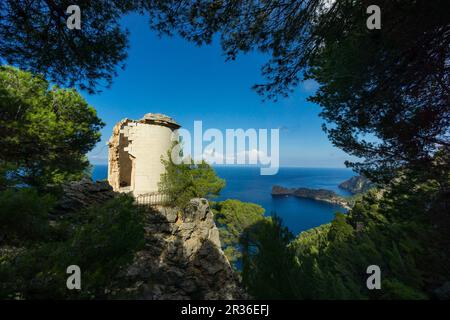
point(356, 184)
point(182, 258)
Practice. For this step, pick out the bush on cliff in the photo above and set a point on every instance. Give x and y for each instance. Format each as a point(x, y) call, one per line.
point(233, 217)
point(24, 216)
point(185, 181)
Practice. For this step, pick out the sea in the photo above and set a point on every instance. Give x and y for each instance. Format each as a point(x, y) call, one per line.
point(246, 184)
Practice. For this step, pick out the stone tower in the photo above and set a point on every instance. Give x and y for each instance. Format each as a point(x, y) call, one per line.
point(135, 150)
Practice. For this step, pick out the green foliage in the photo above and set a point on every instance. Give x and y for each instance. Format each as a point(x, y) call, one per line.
point(379, 102)
point(182, 182)
point(24, 215)
point(46, 133)
point(233, 217)
point(105, 242)
point(101, 240)
point(398, 234)
point(340, 230)
point(267, 260)
point(35, 37)
point(258, 248)
point(396, 290)
point(403, 230)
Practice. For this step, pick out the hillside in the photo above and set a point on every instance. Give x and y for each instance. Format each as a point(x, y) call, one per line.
point(357, 184)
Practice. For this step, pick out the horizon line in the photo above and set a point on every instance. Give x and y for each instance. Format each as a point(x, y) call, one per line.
point(255, 166)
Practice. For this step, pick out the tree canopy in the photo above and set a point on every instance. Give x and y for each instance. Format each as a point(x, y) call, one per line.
point(46, 133)
point(267, 260)
point(34, 36)
point(184, 181)
point(233, 218)
point(384, 93)
point(405, 232)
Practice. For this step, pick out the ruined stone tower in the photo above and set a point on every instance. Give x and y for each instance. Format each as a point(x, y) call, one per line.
point(135, 150)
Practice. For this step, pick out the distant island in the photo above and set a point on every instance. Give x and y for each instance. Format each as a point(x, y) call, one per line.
point(355, 185)
point(314, 194)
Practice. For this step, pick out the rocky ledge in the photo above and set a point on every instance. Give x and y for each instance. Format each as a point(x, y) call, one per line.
point(314, 194)
point(182, 258)
point(77, 195)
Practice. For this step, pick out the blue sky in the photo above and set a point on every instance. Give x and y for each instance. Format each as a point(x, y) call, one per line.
point(172, 76)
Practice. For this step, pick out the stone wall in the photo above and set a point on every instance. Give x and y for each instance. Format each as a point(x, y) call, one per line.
point(115, 154)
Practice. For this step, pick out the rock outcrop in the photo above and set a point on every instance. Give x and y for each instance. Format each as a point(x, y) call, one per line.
point(77, 195)
point(182, 258)
point(356, 184)
point(313, 194)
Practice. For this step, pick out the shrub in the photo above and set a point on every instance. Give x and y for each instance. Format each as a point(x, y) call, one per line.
point(233, 217)
point(24, 215)
point(182, 182)
point(101, 240)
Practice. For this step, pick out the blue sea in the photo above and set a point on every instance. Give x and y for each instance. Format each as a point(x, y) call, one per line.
point(246, 184)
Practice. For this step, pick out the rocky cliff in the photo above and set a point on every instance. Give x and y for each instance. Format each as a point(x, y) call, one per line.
point(356, 184)
point(182, 257)
point(82, 194)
